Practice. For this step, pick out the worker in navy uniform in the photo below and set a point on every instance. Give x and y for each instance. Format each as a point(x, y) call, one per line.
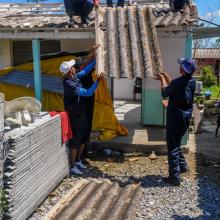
point(75, 103)
point(175, 6)
point(181, 94)
point(80, 8)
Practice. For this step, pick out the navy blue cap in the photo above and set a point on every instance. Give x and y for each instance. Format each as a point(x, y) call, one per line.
point(188, 65)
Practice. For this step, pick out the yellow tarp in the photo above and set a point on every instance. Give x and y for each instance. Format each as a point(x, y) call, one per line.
point(104, 119)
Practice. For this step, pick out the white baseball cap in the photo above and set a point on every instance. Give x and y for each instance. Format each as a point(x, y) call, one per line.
point(66, 66)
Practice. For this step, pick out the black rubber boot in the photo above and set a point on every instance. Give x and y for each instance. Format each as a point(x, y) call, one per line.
point(185, 170)
point(171, 181)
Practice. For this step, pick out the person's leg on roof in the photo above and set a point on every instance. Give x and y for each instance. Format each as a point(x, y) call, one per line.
point(70, 6)
point(109, 3)
point(120, 3)
point(88, 6)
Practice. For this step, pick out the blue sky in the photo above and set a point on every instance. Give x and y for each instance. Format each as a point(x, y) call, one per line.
point(209, 8)
point(206, 7)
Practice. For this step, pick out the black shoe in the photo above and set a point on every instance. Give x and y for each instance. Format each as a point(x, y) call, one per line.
point(85, 22)
point(185, 170)
point(171, 181)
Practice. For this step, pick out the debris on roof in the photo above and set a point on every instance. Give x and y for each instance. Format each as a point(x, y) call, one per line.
point(22, 16)
point(54, 16)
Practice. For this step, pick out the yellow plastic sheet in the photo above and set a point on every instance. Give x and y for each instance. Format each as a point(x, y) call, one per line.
point(104, 119)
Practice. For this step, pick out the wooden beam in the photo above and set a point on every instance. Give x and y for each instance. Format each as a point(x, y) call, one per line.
point(37, 69)
point(52, 34)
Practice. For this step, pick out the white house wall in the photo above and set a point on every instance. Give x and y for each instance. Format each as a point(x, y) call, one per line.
point(123, 89)
point(152, 108)
point(5, 54)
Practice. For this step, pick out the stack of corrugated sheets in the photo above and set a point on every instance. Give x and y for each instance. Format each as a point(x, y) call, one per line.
point(36, 163)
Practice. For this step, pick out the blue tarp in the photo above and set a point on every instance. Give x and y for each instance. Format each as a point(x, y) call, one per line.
point(26, 79)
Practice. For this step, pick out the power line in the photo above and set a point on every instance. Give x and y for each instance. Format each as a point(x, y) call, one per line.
point(210, 22)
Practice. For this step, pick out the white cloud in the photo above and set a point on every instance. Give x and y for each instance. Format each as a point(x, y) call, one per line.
point(211, 15)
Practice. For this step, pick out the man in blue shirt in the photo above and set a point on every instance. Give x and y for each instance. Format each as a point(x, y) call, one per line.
point(75, 103)
point(181, 94)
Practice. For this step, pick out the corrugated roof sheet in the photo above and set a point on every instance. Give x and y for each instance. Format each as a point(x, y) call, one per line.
point(36, 163)
point(54, 16)
point(129, 40)
point(35, 16)
point(206, 53)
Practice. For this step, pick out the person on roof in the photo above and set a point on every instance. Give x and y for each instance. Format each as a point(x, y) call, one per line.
point(80, 8)
point(175, 6)
point(120, 3)
point(75, 103)
point(181, 94)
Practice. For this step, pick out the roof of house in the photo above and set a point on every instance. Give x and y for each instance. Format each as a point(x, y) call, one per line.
point(39, 16)
point(26, 16)
point(206, 53)
point(205, 32)
point(128, 35)
point(130, 42)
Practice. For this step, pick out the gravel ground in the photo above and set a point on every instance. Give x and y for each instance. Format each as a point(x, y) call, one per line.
point(197, 198)
point(193, 200)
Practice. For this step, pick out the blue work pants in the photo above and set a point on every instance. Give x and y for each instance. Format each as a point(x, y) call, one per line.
point(177, 126)
point(79, 8)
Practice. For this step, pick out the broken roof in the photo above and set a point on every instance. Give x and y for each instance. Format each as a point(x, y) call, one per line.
point(128, 35)
point(30, 16)
point(26, 16)
point(129, 40)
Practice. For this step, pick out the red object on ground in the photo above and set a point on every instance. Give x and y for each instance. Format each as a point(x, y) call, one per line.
point(65, 125)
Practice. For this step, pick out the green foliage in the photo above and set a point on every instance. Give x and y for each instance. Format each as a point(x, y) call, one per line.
point(215, 91)
point(199, 100)
point(208, 76)
point(3, 201)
